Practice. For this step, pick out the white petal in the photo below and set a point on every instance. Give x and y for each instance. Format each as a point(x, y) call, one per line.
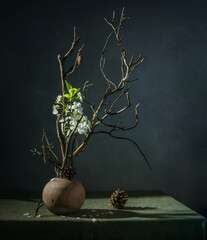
point(55, 111)
point(94, 220)
point(26, 214)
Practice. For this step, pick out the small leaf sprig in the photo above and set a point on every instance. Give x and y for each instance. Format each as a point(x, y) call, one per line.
point(72, 111)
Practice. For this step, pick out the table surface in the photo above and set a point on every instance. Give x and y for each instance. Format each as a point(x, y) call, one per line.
point(147, 215)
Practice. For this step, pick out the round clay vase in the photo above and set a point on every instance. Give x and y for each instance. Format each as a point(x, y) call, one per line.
point(62, 196)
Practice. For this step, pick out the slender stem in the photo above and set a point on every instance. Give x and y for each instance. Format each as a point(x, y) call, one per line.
point(82, 145)
point(128, 139)
point(65, 143)
point(50, 148)
point(68, 143)
point(72, 150)
point(39, 205)
point(60, 134)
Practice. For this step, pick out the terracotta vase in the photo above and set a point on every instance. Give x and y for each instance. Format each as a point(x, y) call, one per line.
point(62, 196)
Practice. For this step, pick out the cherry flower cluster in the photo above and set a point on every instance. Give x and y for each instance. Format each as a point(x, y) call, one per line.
point(73, 114)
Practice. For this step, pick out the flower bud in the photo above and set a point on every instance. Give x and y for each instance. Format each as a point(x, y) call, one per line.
point(80, 60)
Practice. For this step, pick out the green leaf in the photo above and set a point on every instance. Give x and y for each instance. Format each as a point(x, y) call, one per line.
point(65, 105)
point(77, 90)
point(71, 92)
point(75, 98)
point(68, 86)
point(66, 95)
point(68, 132)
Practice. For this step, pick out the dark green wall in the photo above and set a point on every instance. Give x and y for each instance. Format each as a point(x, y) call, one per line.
point(172, 35)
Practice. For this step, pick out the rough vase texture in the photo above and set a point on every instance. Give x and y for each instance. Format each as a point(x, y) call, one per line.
point(62, 196)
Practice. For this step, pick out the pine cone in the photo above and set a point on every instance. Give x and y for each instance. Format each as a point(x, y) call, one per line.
point(118, 198)
point(69, 172)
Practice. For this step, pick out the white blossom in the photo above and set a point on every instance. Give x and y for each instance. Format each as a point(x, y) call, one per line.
point(72, 123)
point(77, 108)
point(76, 105)
point(59, 99)
point(84, 126)
point(73, 114)
point(80, 96)
point(69, 107)
point(55, 111)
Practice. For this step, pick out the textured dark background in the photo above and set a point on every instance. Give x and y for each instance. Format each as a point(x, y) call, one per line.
point(172, 35)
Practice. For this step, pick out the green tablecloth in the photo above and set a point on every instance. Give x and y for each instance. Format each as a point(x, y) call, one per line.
point(147, 215)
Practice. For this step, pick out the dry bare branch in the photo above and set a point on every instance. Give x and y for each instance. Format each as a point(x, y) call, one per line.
point(68, 143)
point(128, 139)
point(50, 146)
point(113, 93)
point(76, 65)
point(85, 86)
point(44, 154)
